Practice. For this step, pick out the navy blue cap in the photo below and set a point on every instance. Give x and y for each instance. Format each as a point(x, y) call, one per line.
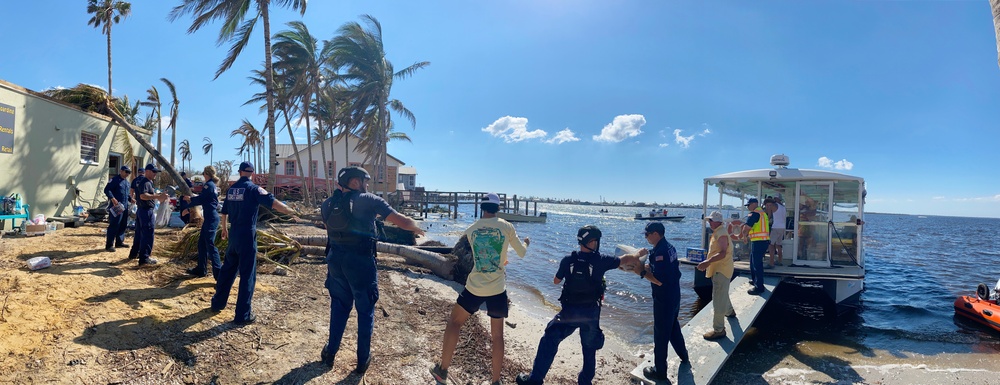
point(151, 167)
point(655, 227)
point(126, 169)
point(184, 173)
point(751, 201)
point(246, 167)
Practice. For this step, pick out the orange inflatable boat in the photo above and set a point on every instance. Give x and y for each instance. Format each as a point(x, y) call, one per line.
point(979, 308)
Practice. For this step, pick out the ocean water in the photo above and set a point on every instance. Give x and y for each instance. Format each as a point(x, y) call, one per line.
point(916, 267)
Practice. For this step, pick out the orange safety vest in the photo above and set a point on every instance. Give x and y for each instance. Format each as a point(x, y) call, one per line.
point(760, 230)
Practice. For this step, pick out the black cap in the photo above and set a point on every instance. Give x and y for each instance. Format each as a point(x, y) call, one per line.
point(655, 227)
point(126, 169)
point(587, 233)
point(151, 167)
point(751, 201)
point(184, 173)
point(246, 167)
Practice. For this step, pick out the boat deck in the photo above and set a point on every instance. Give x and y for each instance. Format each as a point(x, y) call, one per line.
point(797, 271)
point(707, 357)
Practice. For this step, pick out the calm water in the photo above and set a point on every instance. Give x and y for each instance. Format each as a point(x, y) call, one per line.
point(916, 267)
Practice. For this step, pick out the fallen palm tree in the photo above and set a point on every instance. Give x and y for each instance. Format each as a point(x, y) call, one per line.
point(441, 265)
point(272, 246)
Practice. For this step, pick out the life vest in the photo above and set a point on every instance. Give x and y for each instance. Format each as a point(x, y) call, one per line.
point(760, 230)
point(581, 287)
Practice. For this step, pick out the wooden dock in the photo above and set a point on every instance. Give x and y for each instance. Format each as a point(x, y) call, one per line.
point(707, 357)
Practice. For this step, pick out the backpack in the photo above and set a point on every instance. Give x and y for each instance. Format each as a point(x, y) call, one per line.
point(337, 212)
point(581, 287)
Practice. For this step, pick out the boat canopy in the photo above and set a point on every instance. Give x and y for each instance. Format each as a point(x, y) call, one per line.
point(745, 183)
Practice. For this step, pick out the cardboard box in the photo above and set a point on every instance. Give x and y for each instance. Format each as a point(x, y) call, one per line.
point(32, 230)
point(695, 254)
point(57, 224)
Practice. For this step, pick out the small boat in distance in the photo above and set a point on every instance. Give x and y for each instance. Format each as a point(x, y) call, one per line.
point(675, 218)
point(512, 217)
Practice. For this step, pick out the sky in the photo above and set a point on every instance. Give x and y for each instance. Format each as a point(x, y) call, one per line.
point(605, 99)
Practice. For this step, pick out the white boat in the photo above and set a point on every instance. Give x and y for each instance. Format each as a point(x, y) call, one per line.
point(512, 217)
point(823, 238)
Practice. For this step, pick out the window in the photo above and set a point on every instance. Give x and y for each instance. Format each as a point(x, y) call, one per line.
point(329, 169)
point(88, 148)
point(313, 169)
point(290, 167)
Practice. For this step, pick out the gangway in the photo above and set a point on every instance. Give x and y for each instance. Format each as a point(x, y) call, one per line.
point(707, 357)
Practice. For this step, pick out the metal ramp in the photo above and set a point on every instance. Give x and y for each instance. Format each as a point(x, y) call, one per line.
point(707, 357)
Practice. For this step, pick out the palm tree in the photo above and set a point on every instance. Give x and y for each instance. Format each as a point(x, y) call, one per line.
point(282, 102)
point(208, 148)
point(172, 126)
point(300, 62)
point(251, 139)
point(185, 151)
point(106, 13)
point(361, 52)
point(153, 100)
point(236, 29)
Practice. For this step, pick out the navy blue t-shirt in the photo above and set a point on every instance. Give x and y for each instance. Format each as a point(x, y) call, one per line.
point(145, 187)
point(665, 267)
point(242, 200)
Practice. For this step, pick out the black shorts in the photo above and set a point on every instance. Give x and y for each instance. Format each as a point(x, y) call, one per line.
point(496, 305)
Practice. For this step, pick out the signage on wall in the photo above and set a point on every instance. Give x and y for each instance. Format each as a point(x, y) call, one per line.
point(6, 129)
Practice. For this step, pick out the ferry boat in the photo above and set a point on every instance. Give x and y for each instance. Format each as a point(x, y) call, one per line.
point(823, 245)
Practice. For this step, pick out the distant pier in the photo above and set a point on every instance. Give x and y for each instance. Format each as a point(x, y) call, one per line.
point(424, 200)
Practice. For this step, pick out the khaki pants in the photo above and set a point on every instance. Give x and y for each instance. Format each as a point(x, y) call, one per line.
point(720, 301)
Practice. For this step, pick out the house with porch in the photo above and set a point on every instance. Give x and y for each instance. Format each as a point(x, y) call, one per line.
point(318, 173)
point(57, 156)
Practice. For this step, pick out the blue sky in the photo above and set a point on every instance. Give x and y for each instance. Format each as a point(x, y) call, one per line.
point(629, 100)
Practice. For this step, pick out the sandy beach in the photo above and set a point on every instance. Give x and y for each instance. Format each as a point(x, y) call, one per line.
point(94, 317)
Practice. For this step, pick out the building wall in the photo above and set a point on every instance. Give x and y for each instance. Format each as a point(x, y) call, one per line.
point(46, 166)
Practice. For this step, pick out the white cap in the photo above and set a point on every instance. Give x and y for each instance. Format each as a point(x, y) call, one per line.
point(715, 216)
point(492, 198)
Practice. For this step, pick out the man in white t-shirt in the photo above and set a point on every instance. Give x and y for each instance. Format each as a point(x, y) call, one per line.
point(777, 230)
point(489, 239)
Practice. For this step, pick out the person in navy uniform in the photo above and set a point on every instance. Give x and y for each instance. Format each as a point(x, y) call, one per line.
point(209, 201)
point(117, 191)
point(134, 194)
point(581, 299)
point(187, 180)
point(240, 211)
point(352, 277)
point(664, 266)
point(145, 204)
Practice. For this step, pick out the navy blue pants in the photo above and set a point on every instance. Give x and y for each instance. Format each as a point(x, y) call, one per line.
point(352, 280)
point(144, 233)
point(207, 252)
point(116, 228)
point(666, 329)
point(241, 257)
point(757, 251)
point(587, 318)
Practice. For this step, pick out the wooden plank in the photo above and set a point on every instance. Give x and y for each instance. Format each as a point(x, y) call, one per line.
point(707, 357)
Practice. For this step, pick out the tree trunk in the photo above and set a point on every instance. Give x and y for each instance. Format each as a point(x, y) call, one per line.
point(295, 148)
point(269, 85)
point(173, 137)
point(109, 56)
point(159, 129)
point(309, 140)
point(442, 266)
point(995, 5)
point(169, 168)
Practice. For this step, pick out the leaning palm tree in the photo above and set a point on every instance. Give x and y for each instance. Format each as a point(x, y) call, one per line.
point(361, 53)
point(284, 104)
point(172, 126)
point(107, 13)
point(153, 100)
point(208, 147)
point(185, 150)
point(236, 29)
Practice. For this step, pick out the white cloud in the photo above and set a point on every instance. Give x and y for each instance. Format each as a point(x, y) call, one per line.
point(662, 145)
point(563, 136)
point(684, 141)
point(621, 128)
point(842, 164)
point(663, 134)
point(513, 129)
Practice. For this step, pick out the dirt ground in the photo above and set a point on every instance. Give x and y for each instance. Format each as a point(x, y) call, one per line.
point(94, 317)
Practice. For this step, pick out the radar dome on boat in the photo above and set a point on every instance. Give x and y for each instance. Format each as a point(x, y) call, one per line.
point(780, 160)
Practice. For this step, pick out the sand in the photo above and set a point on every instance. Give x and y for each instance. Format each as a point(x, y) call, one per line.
point(95, 317)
